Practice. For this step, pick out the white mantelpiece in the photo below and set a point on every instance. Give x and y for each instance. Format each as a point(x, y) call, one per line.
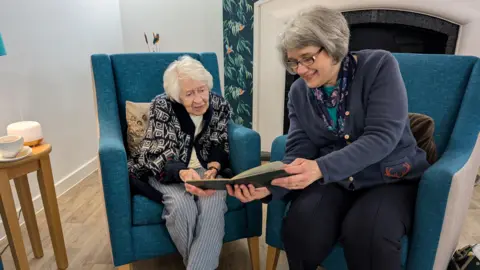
point(268, 71)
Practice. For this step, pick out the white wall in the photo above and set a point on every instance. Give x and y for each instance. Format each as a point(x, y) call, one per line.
point(46, 76)
point(183, 25)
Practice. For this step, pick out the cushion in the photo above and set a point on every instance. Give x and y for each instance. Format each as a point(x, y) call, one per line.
point(147, 212)
point(423, 127)
point(137, 123)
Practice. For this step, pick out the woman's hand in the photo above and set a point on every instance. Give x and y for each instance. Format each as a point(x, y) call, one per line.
point(210, 174)
point(304, 171)
point(213, 171)
point(198, 191)
point(247, 194)
point(190, 174)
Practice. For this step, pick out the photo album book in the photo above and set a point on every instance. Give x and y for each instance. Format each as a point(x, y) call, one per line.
point(260, 176)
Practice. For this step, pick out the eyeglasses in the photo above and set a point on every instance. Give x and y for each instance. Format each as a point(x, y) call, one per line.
point(292, 66)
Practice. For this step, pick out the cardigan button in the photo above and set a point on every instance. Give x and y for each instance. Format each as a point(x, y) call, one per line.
point(350, 178)
point(347, 113)
point(346, 136)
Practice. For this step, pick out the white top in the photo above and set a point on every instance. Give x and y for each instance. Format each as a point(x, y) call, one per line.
point(198, 122)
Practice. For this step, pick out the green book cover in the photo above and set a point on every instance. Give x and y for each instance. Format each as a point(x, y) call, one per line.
point(260, 176)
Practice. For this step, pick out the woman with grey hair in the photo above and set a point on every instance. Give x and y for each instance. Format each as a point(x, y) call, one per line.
point(354, 163)
point(187, 139)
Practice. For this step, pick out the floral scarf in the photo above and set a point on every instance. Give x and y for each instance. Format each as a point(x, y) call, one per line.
point(338, 98)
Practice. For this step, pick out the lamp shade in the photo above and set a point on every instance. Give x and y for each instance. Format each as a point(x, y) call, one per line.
point(2, 47)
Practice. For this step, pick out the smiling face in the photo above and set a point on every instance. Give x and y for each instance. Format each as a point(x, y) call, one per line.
point(194, 96)
point(314, 65)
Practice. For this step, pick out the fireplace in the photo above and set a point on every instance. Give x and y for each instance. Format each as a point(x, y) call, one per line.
point(394, 31)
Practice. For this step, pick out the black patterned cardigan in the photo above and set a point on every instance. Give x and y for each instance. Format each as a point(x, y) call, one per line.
point(169, 140)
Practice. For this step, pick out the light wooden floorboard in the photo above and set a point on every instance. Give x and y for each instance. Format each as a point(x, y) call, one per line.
point(88, 247)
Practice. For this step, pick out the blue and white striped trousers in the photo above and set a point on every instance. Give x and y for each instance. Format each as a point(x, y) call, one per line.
point(195, 224)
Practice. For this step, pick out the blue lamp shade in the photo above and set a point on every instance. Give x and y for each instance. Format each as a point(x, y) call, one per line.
point(2, 47)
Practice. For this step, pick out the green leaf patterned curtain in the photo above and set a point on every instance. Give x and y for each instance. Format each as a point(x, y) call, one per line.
point(238, 54)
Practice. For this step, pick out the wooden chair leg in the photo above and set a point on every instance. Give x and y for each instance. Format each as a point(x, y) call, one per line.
point(272, 257)
point(254, 248)
point(125, 267)
point(25, 198)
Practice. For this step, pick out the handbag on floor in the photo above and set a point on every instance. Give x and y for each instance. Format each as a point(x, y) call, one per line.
point(466, 258)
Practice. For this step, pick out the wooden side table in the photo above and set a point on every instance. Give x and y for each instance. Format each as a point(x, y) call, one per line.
point(39, 161)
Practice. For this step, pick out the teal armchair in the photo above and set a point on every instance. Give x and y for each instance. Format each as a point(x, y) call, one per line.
point(447, 88)
point(137, 231)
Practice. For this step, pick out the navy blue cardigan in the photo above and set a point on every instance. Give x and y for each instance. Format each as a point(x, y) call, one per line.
point(378, 148)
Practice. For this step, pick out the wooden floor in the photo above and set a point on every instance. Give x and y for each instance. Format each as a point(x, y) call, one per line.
point(88, 247)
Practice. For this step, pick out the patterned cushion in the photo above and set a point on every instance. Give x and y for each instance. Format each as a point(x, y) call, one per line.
point(147, 212)
point(137, 123)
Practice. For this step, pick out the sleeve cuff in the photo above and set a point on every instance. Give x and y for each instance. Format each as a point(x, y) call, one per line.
point(277, 193)
point(172, 172)
point(267, 199)
point(323, 169)
point(219, 155)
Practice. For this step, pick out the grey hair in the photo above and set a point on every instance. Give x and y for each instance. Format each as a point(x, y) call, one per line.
point(184, 67)
point(316, 26)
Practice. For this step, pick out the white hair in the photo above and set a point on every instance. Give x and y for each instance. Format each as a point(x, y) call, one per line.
point(316, 26)
point(184, 67)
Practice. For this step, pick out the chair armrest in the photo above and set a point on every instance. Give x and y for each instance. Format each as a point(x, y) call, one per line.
point(276, 208)
point(116, 189)
point(244, 148)
point(446, 187)
point(278, 148)
point(244, 155)
point(275, 214)
point(113, 162)
point(442, 203)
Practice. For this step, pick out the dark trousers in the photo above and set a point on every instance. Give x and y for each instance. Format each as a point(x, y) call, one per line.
point(368, 223)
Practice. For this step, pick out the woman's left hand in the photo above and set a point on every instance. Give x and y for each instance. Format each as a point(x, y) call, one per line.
point(210, 174)
point(213, 171)
point(304, 171)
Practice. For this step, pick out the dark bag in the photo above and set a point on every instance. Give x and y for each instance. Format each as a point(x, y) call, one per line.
point(466, 258)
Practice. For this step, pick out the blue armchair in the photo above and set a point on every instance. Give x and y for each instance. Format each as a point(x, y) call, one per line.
point(137, 231)
point(447, 88)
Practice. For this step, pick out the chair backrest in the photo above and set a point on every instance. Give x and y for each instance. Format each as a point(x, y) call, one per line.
point(436, 85)
point(138, 77)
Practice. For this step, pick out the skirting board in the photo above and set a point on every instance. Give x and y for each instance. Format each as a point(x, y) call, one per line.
point(61, 187)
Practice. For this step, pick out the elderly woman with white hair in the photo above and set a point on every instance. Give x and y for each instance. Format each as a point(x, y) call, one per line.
point(354, 162)
point(187, 139)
